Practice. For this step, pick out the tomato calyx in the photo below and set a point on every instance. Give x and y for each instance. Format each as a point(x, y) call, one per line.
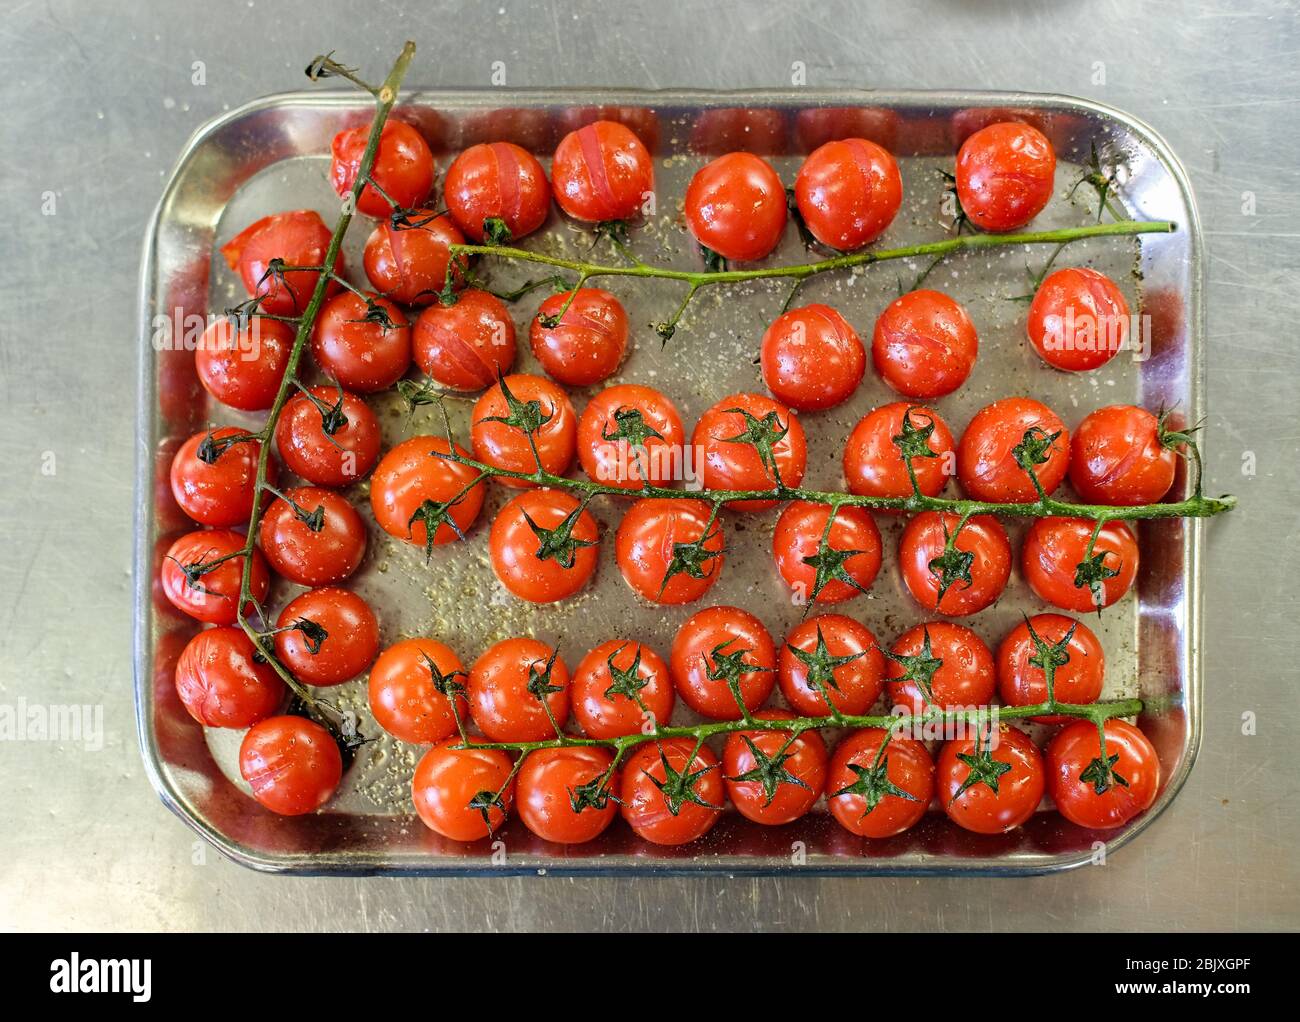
point(496, 231)
point(212, 447)
point(526, 416)
point(195, 570)
point(1104, 184)
point(1100, 773)
point(324, 66)
point(560, 544)
point(377, 314)
point(678, 788)
point(872, 783)
point(763, 435)
point(713, 261)
point(539, 686)
point(332, 418)
point(1047, 656)
point(691, 558)
point(828, 562)
point(1035, 449)
point(433, 515)
point(451, 687)
point(822, 665)
point(631, 427)
point(953, 565)
point(983, 768)
point(729, 667)
point(314, 520)
point(595, 794)
point(913, 441)
point(919, 668)
point(1091, 573)
point(951, 199)
point(1181, 443)
point(627, 683)
point(484, 802)
point(314, 634)
point(770, 771)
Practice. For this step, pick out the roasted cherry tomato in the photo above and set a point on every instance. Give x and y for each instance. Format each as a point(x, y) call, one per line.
point(299, 238)
point(544, 545)
point(730, 438)
point(359, 353)
point(1087, 790)
point(1056, 548)
point(242, 367)
point(408, 263)
point(201, 572)
point(412, 482)
point(497, 181)
point(403, 167)
point(507, 686)
point(224, 682)
point(292, 764)
point(330, 438)
point(629, 435)
point(670, 550)
point(736, 207)
point(1078, 319)
point(831, 656)
point(1122, 455)
point(991, 782)
point(466, 345)
point(848, 192)
point(672, 791)
point(987, 462)
point(504, 444)
point(971, 585)
point(774, 777)
point(1077, 680)
point(560, 797)
point(620, 688)
point(463, 794)
point(874, 464)
point(721, 656)
point(327, 636)
point(811, 358)
point(213, 479)
point(312, 536)
point(584, 345)
point(602, 172)
point(408, 691)
point(1005, 175)
point(942, 665)
point(879, 794)
point(845, 569)
point(924, 345)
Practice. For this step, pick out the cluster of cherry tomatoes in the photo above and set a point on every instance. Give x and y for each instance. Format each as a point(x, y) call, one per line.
point(670, 549)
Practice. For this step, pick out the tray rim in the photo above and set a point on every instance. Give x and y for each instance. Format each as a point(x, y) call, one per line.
point(332, 863)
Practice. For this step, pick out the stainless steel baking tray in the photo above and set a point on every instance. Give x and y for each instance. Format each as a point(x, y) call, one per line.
point(270, 155)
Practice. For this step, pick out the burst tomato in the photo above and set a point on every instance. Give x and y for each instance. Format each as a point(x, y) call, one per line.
point(774, 777)
point(309, 550)
point(972, 584)
point(602, 172)
point(670, 550)
point(507, 686)
point(463, 794)
point(1120, 456)
point(849, 565)
point(833, 656)
point(736, 207)
point(629, 435)
point(403, 167)
point(327, 636)
point(990, 790)
point(875, 794)
point(587, 343)
point(409, 263)
point(544, 546)
point(505, 444)
point(224, 682)
point(557, 798)
point(811, 358)
point(1055, 548)
point(620, 688)
point(299, 238)
point(672, 792)
point(1078, 680)
point(731, 437)
point(330, 438)
point(1005, 175)
point(924, 345)
point(497, 181)
point(201, 571)
point(720, 657)
point(1078, 319)
point(412, 482)
point(406, 694)
point(213, 480)
point(874, 465)
point(948, 661)
point(292, 764)
point(468, 344)
point(361, 354)
point(242, 367)
point(986, 457)
point(1089, 794)
point(848, 191)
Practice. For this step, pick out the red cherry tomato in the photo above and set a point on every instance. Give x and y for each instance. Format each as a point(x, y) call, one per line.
point(1119, 456)
point(450, 783)
point(986, 459)
point(956, 668)
point(730, 463)
point(1055, 547)
point(200, 575)
point(602, 172)
point(716, 649)
point(550, 567)
point(924, 345)
point(874, 465)
point(553, 781)
point(1074, 773)
point(641, 120)
point(995, 799)
point(786, 782)
point(660, 553)
point(833, 656)
point(465, 345)
point(291, 763)
point(736, 207)
point(224, 682)
point(412, 481)
point(1078, 319)
point(629, 435)
point(497, 181)
point(672, 792)
point(328, 636)
point(505, 445)
point(213, 481)
point(330, 441)
point(620, 688)
point(1005, 176)
point(866, 801)
point(796, 542)
point(310, 551)
point(242, 367)
point(848, 192)
point(1078, 680)
point(403, 167)
point(409, 263)
point(507, 685)
point(359, 354)
point(299, 238)
point(404, 693)
point(587, 343)
point(922, 545)
point(812, 359)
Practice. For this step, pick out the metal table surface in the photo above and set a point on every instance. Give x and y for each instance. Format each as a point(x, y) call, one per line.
point(97, 103)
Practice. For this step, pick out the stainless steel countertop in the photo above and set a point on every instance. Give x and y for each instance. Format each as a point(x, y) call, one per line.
point(97, 104)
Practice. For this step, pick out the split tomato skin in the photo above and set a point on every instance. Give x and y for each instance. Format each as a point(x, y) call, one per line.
point(544, 794)
point(619, 462)
point(447, 779)
point(797, 538)
point(966, 678)
point(313, 557)
point(644, 806)
point(358, 354)
point(223, 683)
point(1005, 175)
point(1078, 680)
point(217, 489)
point(651, 530)
point(729, 465)
point(1073, 750)
point(403, 167)
point(602, 172)
point(402, 695)
point(335, 459)
point(501, 181)
point(908, 767)
point(736, 207)
point(588, 343)
point(979, 808)
point(1117, 457)
point(297, 238)
point(717, 632)
point(812, 358)
point(292, 764)
point(242, 366)
point(858, 681)
point(1053, 549)
point(805, 758)
point(848, 192)
point(602, 715)
point(983, 536)
point(351, 636)
point(507, 447)
point(1078, 320)
point(874, 465)
point(499, 699)
point(514, 546)
point(986, 463)
point(216, 596)
point(466, 345)
point(409, 264)
point(924, 345)
point(411, 474)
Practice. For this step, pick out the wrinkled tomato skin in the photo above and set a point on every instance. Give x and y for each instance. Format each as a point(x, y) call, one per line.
point(307, 556)
point(736, 207)
point(215, 603)
point(513, 546)
point(645, 542)
point(291, 763)
point(848, 192)
point(979, 808)
point(986, 464)
point(499, 700)
point(465, 345)
point(361, 356)
point(1079, 680)
point(1116, 457)
point(497, 180)
point(907, 765)
point(798, 536)
point(605, 716)
point(242, 367)
point(588, 343)
point(219, 493)
point(1072, 750)
point(924, 345)
point(873, 464)
point(299, 238)
point(807, 760)
point(403, 167)
point(507, 447)
point(643, 804)
point(336, 460)
point(222, 685)
point(983, 536)
point(966, 678)
point(543, 794)
point(349, 647)
point(409, 264)
point(617, 462)
point(412, 473)
point(811, 358)
point(402, 696)
point(1005, 176)
point(858, 683)
point(602, 172)
point(693, 660)
point(1078, 320)
point(447, 779)
point(1053, 548)
point(738, 466)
